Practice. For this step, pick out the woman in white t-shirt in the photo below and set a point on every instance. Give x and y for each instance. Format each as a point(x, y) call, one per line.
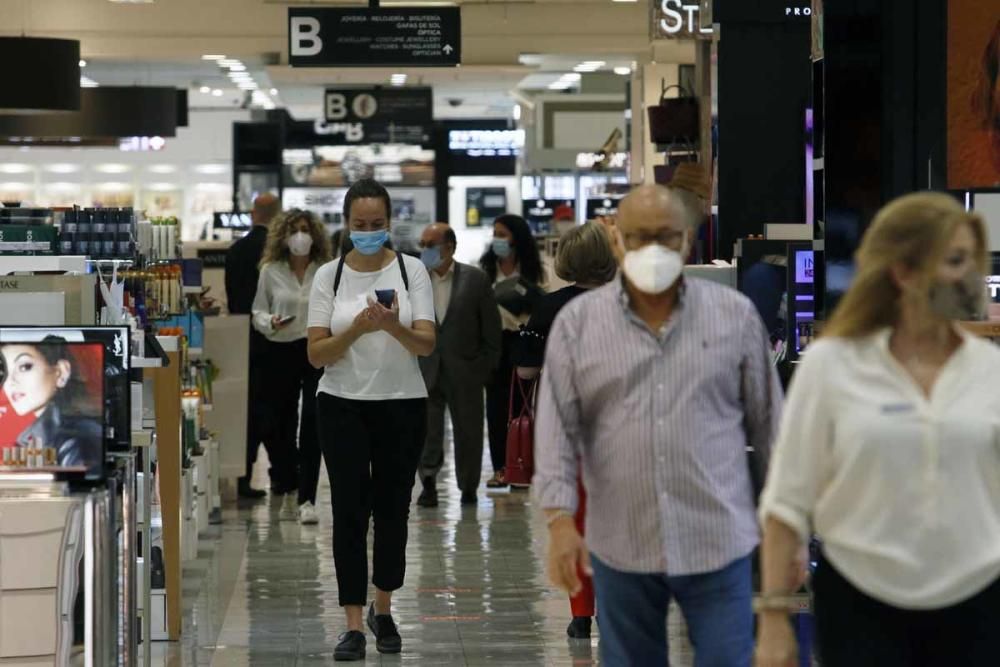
point(371, 314)
point(297, 245)
point(889, 450)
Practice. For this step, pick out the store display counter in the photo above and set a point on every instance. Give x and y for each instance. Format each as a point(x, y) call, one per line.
point(53, 545)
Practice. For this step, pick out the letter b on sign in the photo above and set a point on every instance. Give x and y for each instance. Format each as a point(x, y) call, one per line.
point(305, 36)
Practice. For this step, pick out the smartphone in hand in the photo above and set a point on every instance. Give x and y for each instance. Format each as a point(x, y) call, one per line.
point(286, 319)
point(385, 297)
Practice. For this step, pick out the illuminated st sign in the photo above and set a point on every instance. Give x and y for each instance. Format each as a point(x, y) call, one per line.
point(677, 19)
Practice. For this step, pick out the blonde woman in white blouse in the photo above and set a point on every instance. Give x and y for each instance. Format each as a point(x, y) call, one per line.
point(889, 452)
point(297, 245)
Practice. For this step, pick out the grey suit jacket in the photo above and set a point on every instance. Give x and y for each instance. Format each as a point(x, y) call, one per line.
point(468, 338)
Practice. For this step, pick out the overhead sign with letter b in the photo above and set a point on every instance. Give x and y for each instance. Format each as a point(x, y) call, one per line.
point(391, 37)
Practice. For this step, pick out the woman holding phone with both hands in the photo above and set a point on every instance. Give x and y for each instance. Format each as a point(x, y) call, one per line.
point(297, 245)
point(371, 314)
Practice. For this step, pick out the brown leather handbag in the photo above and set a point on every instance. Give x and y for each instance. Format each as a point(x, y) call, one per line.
point(675, 120)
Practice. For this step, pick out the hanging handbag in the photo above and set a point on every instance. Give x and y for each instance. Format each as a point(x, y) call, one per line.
point(675, 120)
point(521, 434)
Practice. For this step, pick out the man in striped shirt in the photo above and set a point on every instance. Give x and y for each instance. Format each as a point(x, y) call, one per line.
point(656, 384)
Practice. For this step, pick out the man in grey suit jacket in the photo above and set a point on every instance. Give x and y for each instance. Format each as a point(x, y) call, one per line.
point(467, 350)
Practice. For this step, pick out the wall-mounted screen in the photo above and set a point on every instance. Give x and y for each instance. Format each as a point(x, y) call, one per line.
point(51, 408)
point(117, 389)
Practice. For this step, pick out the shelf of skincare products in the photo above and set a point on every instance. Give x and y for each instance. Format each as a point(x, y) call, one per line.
point(100, 233)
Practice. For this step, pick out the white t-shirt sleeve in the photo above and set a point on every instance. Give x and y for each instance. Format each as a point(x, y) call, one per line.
point(321, 296)
point(800, 459)
point(421, 290)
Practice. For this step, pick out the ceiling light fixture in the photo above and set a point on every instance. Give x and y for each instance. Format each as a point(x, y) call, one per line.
point(240, 76)
point(238, 68)
point(623, 71)
point(589, 66)
point(274, 91)
point(87, 82)
point(204, 90)
point(229, 62)
point(216, 93)
point(83, 63)
point(213, 57)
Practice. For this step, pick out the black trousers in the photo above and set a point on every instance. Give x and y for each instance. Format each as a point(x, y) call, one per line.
point(294, 451)
point(855, 630)
point(372, 449)
point(498, 401)
point(257, 396)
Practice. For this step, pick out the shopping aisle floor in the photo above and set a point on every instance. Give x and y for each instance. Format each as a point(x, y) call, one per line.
point(263, 592)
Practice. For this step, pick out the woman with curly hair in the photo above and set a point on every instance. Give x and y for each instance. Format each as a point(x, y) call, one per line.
point(297, 245)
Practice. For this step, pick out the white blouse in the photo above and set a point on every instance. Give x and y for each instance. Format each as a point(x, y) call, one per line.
point(903, 491)
point(280, 293)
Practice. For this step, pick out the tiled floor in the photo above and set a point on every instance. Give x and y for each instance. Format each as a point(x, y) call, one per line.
point(263, 592)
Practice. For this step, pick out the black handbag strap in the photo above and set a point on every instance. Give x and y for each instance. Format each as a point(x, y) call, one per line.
point(684, 91)
point(340, 272)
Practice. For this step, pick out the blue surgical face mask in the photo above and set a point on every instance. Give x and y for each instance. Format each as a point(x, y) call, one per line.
point(501, 248)
point(431, 257)
point(369, 243)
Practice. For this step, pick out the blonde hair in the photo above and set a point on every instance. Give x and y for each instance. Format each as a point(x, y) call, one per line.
point(914, 231)
point(585, 255)
point(280, 228)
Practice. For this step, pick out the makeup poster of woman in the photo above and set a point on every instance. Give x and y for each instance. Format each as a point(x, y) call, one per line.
point(55, 391)
point(973, 94)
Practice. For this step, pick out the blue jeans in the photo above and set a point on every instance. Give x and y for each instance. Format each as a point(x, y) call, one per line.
point(632, 615)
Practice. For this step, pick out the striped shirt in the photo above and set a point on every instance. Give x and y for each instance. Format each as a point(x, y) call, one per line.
point(660, 424)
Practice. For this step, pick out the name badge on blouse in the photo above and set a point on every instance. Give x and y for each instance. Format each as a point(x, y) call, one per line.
point(898, 408)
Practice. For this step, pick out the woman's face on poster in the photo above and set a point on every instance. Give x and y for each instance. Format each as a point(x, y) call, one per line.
point(31, 381)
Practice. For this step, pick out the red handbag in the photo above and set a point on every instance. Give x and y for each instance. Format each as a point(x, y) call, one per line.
point(521, 435)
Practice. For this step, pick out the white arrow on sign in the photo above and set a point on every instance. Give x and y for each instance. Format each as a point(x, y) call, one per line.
point(448, 49)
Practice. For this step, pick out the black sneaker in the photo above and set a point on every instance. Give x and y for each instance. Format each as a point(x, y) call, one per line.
point(387, 639)
point(351, 647)
point(469, 498)
point(429, 496)
point(579, 628)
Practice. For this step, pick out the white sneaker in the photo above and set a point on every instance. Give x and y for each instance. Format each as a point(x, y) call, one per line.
point(307, 514)
point(289, 508)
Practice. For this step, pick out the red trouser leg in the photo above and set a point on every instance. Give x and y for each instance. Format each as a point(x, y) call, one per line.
point(582, 603)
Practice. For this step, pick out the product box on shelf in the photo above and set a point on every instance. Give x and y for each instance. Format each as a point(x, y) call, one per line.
point(21, 239)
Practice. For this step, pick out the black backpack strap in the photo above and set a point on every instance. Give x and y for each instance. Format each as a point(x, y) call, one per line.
point(340, 271)
point(402, 269)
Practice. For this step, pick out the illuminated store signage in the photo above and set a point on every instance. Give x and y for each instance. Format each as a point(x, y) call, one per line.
point(993, 284)
point(487, 143)
point(590, 160)
point(685, 19)
point(679, 19)
point(130, 144)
